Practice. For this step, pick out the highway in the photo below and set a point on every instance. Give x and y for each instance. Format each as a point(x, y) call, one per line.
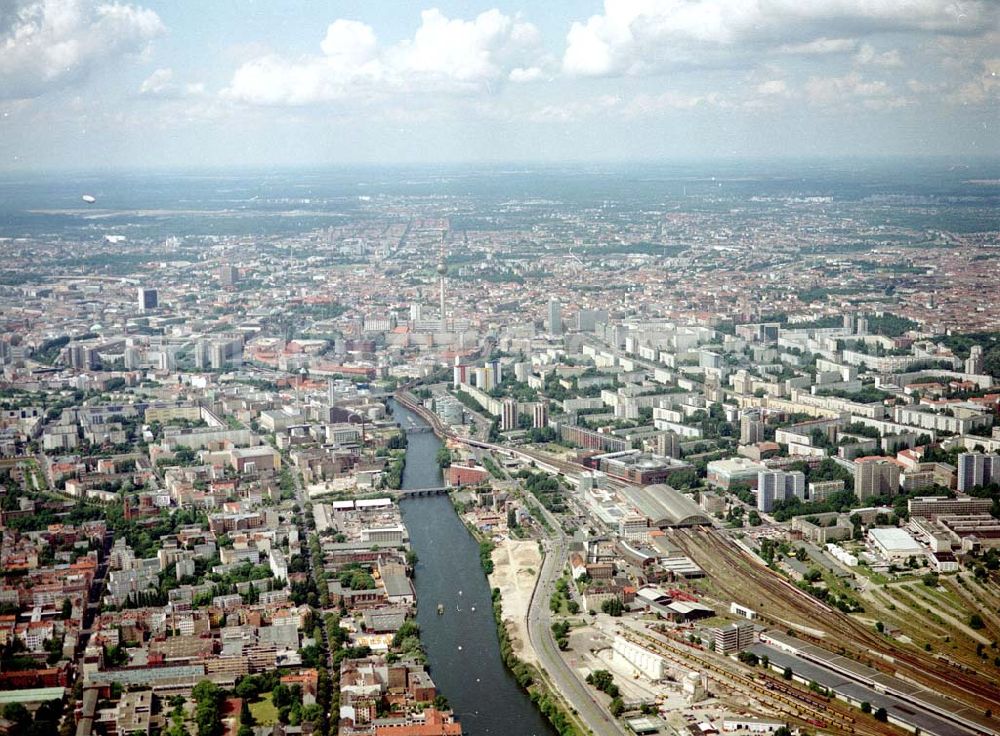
point(312, 566)
point(562, 679)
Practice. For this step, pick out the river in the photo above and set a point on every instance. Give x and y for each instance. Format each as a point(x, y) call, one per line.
point(462, 647)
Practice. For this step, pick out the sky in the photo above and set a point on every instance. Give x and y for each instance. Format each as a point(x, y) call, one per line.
point(104, 84)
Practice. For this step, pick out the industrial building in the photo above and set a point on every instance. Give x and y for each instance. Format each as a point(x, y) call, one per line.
point(664, 506)
point(636, 467)
point(894, 544)
point(934, 506)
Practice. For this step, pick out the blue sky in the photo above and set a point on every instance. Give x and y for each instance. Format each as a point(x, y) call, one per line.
point(103, 83)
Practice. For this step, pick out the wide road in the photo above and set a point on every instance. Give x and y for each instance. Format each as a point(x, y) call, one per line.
point(562, 678)
point(313, 567)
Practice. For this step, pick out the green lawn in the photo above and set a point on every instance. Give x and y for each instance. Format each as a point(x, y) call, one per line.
point(264, 711)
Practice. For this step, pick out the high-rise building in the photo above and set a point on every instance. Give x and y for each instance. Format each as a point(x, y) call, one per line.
point(555, 317)
point(540, 415)
point(415, 310)
point(508, 415)
point(974, 363)
point(201, 355)
point(770, 488)
point(795, 485)
point(733, 638)
point(777, 485)
point(217, 356)
point(131, 358)
point(751, 429)
point(742, 382)
point(875, 476)
point(977, 469)
point(496, 371)
point(588, 319)
point(167, 359)
point(228, 275)
point(822, 490)
point(148, 299)
point(72, 355)
point(668, 444)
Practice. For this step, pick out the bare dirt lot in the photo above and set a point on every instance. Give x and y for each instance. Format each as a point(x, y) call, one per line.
point(515, 567)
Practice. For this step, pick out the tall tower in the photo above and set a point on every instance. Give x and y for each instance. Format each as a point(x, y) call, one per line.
point(974, 363)
point(442, 269)
point(555, 317)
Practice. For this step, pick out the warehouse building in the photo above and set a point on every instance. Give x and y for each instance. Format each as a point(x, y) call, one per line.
point(894, 544)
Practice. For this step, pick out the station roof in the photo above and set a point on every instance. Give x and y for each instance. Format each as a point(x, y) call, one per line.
point(665, 506)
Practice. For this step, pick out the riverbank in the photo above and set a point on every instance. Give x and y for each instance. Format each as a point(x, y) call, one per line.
point(516, 565)
point(548, 705)
point(463, 646)
point(526, 671)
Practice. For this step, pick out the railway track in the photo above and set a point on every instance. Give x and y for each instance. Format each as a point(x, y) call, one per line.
point(808, 708)
point(852, 638)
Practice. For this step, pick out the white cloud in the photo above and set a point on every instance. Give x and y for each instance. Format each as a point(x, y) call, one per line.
point(467, 51)
point(521, 74)
point(161, 84)
point(157, 82)
point(576, 110)
point(47, 44)
point(349, 42)
point(983, 88)
point(851, 89)
point(643, 104)
point(443, 55)
point(868, 56)
point(642, 36)
point(773, 87)
point(920, 87)
point(820, 46)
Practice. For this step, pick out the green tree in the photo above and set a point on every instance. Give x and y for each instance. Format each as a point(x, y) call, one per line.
point(17, 714)
point(613, 607)
point(208, 701)
point(177, 727)
point(443, 457)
